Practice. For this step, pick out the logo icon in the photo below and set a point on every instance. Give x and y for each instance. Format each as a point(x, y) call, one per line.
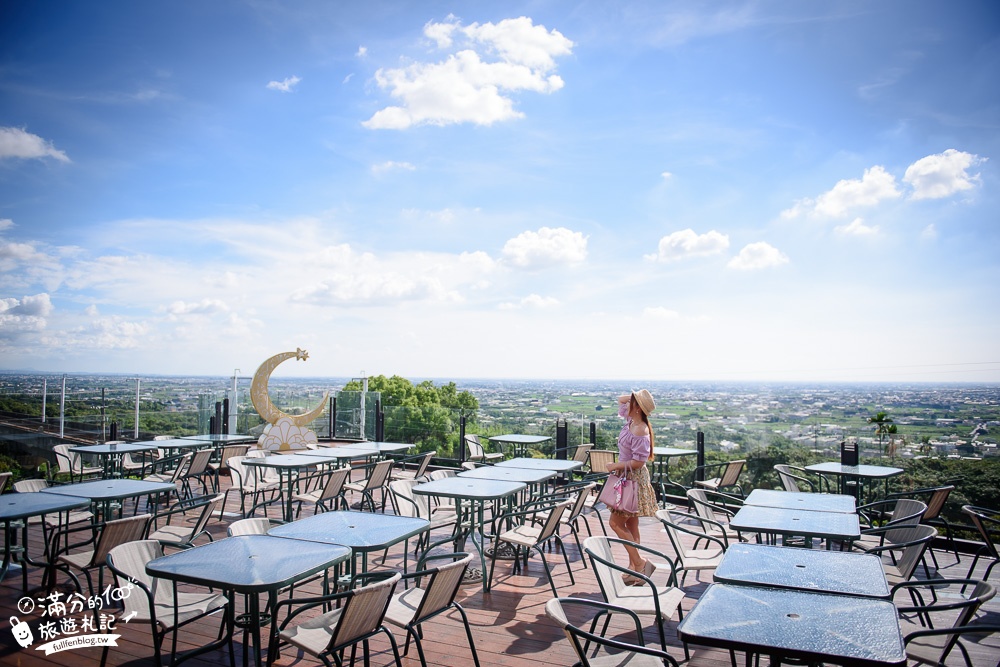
point(22, 632)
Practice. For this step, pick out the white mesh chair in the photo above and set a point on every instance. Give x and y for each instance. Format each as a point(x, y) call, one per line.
point(411, 608)
point(359, 615)
point(677, 524)
point(928, 645)
point(71, 463)
point(727, 477)
point(423, 461)
point(474, 451)
point(614, 652)
point(109, 536)
point(248, 484)
point(251, 526)
point(376, 481)
point(186, 521)
point(152, 600)
point(659, 600)
point(407, 503)
point(529, 531)
point(328, 495)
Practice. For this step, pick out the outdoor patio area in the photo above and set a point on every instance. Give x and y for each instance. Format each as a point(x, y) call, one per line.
point(508, 622)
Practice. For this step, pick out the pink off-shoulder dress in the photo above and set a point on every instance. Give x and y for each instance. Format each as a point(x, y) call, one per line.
point(632, 447)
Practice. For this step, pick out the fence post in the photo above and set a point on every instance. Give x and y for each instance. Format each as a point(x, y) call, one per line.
point(62, 409)
point(217, 428)
point(332, 417)
point(700, 470)
point(461, 439)
point(135, 433)
point(593, 433)
point(562, 439)
point(379, 422)
point(225, 416)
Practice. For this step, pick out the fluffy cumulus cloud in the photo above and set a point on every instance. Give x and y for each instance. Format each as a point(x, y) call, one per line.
point(474, 83)
point(284, 86)
point(16, 142)
point(546, 247)
point(24, 315)
point(875, 186)
point(391, 165)
point(856, 228)
point(943, 174)
point(760, 255)
point(535, 301)
point(687, 243)
point(203, 307)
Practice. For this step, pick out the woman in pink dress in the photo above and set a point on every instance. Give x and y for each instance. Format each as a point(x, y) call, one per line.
point(635, 450)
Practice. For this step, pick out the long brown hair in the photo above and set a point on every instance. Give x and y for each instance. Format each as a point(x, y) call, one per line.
point(649, 427)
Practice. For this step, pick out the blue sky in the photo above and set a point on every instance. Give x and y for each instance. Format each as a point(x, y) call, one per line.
point(636, 190)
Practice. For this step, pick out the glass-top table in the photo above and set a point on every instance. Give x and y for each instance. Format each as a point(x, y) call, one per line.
point(845, 473)
point(287, 466)
point(251, 565)
point(519, 442)
point(111, 454)
point(477, 493)
point(815, 502)
point(16, 508)
point(108, 492)
point(361, 531)
point(787, 624)
point(558, 465)
point(831, 526)
point(803, 569)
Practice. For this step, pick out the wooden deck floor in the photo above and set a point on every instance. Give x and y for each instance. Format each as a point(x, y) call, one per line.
point(509, 623)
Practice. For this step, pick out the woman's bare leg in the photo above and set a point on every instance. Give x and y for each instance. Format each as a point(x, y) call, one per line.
point(627, 528)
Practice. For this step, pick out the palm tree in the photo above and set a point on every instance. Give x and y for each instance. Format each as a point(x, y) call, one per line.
point(883, 427)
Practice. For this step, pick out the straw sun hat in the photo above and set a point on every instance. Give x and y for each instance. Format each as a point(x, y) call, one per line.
point(645, 401)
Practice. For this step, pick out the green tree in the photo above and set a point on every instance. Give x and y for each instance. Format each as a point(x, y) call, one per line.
point(423, 414)
point(883, 427)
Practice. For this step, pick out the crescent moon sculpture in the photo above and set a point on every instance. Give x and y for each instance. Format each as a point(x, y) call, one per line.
point(262, 402)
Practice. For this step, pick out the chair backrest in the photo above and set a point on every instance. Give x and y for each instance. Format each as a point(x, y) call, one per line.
point(335, 481)
point(230, 451)
point(917, 537)
point(251, 526)
point(598, 548)
point(117, 532)
point(408, 503)
point(65, 458)
point(441, 474)
point(30, 485)
point(380, 473)
point(244, 476)
point(441, 589)
point(4, 479)
point(600, 458)
point(579, 501)
point(787, 479)
point(363, 612)
point(129, 561)
point(551, 525)
point(474, 448)
point(702, 506)
point(424, 464)
point(199, 462)
point(731, 475)
point(936, 501)
point(206, 514)
point(582, 452)
point(987, 524)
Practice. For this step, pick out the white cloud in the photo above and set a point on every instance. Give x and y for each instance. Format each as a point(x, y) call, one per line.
point(28, 314)
point(465, 87)
point(666, 175)
point(535, 301)
point(390, 165)
point(929, 233)
point(546, 247)
point(760, 255)
point(5, 224)
point(856, 228)
point(16, 142)
point(942, 174)
point(203, 307)
point(284, 86)
point(875, 186)
point(361, 52)
point(659, 313)
point(686, 243)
